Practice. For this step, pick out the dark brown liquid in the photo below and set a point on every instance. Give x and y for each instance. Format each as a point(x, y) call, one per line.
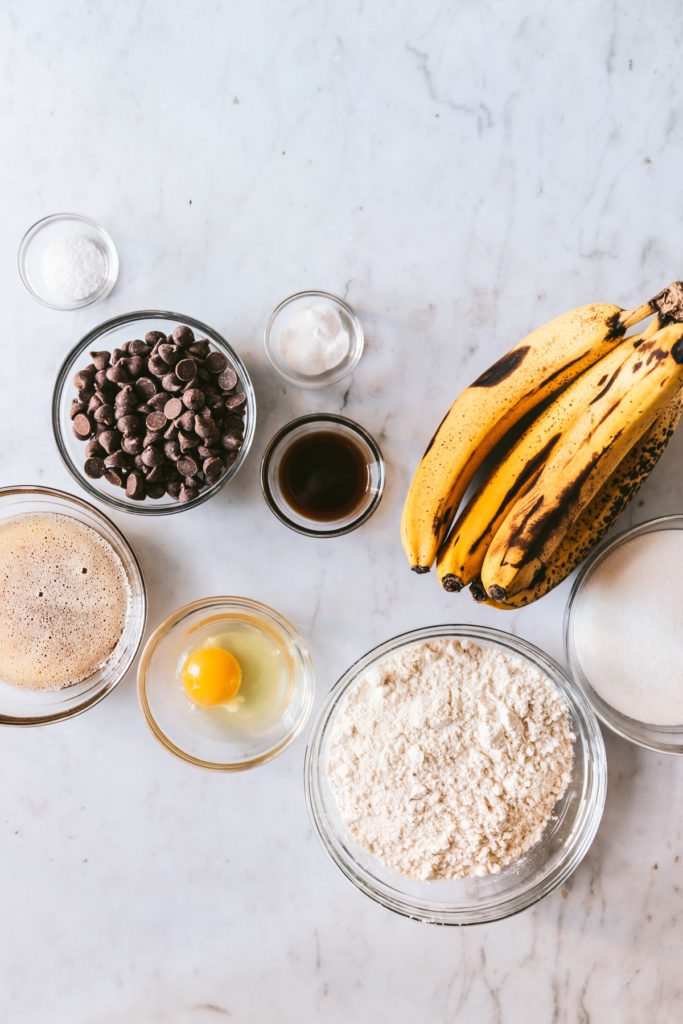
point(323, 476)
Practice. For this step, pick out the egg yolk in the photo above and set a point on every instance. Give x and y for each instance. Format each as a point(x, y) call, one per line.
point(211, 676)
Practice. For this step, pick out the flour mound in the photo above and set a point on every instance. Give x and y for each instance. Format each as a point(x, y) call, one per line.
point(446, 759)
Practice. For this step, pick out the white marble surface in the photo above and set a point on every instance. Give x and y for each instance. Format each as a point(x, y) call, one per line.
point(461, 173)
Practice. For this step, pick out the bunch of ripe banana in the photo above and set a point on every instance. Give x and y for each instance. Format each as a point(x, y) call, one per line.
point(605, 406)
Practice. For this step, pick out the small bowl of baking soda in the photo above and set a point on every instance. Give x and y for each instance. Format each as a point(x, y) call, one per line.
point(67, 261)
point(314, 339)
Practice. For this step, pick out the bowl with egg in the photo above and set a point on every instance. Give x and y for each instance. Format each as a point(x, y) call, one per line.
point(225, 683)
point(72, 605)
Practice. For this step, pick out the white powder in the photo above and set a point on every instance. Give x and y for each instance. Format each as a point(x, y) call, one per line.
point(314, 341)
point(447, 759)
point(73, 267)
point(628, 628)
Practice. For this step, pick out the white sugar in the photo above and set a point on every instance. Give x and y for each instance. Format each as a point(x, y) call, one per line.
point(629, 628)
point(73, 267)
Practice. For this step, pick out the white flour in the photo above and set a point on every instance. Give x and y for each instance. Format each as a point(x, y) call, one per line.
point(447, 759)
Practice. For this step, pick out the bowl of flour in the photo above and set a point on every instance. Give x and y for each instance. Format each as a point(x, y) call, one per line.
point(455, 774)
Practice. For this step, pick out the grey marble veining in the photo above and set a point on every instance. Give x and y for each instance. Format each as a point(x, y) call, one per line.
point(460, 173)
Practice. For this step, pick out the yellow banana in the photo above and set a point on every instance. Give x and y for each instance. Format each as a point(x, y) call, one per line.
point(599, 515)
point(630, 401)
point(461, 556)
point(538, 367)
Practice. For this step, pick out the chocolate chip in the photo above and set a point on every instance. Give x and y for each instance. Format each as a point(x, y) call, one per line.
point(114, 476)
point(136, 366)
point(82, 427)
point(109, 440)
point(230, 442)
point(187, 466)
point(156, 421)
point(117, 354)
point(94, 449)
point(227, 379)
point(173, 489)
point(100, 360)
point(206, 452)
point(171, 383)
point(145, 388)
point(236, 401)
point(200, 349)
point(156, 473)
point(212, 468)
point(154, 337)
point(85, 394)
point(204, 427)
point(186, 370)
point(171, 432)
point(135, 486)
point(169, 353)
point(118, 373)
point(151, 456)
point(157, 366)
point(117, 460)
point(94, 468)
point(193, 398)
point(183, 335)
point(186, 421)
point(153, 437)
point(216, 362)
point(137, 347)
point(187, 441)
point(172, 408)
point(155, 490)
point(187, 493)
point(132, 445)
point(77, 407)
point(172, 450)
point(95, 402)
point(105, 414)
point(84, 378)
point(101, 377)
point(129, 424)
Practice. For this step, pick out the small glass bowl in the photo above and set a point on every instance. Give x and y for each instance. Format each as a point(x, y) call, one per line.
point(280, 318)
point(40, 707)
point(663, 738)
point(169, 713)
point(37, 239)
point(546, 865)
point(112, 334)
point(311, 424)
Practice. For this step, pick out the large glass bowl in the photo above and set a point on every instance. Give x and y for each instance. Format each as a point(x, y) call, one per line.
point(546, 865)
point(183, 730)
point(667, 739)
point(39, 707)
point(112, 334)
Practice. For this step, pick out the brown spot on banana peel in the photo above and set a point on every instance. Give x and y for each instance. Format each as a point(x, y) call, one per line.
point(607, 386)
point(506, 365)
point(533, 466)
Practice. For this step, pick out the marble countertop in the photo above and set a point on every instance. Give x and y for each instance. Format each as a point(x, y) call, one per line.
point(460, 173)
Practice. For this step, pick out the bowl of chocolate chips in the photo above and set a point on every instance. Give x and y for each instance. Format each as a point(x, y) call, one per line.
point(153, 412)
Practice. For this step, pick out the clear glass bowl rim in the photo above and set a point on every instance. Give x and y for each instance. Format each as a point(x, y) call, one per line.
point(661, 738)
point(112, 255)
point(337, 373)
point(225, 601)
point(62, 381)
point(594, 752)
point(106, 688)
point(322, 417)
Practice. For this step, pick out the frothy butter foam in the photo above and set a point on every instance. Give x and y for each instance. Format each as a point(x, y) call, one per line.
point(64, 599)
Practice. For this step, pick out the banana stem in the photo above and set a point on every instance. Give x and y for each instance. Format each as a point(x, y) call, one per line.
point(629, 317)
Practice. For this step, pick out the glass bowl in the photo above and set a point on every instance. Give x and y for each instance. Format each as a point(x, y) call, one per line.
point(663, 738)
point(311, 424)
point(41, 235)
point(281, 317)
point(40, 707)
point(546, 865)
point(112, 334)
point(185, 730)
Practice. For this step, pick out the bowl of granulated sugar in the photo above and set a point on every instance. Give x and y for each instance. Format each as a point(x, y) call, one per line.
point(67, 261)
point(456, 775)
point(624, 633)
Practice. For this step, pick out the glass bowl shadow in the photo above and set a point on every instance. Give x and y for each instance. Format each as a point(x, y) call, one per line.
point(562, 846)
point(112, 334)
point(41, 707)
